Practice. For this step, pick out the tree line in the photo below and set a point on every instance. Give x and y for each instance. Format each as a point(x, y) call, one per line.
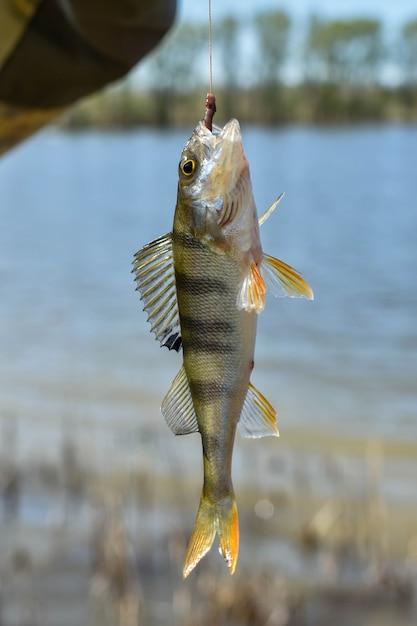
point(339, 70)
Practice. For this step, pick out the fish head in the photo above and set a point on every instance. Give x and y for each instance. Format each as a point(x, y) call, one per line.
point(214, 183)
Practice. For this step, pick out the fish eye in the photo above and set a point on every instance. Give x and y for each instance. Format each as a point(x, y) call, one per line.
point(188, 167)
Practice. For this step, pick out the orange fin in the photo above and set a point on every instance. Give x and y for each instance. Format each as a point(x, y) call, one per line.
point(212, 517)
point(284, 280)
point(251, 296)
point(228, 529)
point(202, 537)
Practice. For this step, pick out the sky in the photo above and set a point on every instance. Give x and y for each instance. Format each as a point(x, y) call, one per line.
point(393, 11)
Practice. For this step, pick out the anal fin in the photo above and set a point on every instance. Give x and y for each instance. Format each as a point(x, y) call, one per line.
point(258, 418)
point(177, 406)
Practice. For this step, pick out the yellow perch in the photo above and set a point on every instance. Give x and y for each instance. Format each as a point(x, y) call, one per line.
point(203, 285)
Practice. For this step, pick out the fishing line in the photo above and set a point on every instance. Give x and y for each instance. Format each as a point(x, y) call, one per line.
point(210, 47)
point(211, 98)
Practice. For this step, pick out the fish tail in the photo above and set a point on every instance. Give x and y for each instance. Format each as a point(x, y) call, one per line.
point(228, 529)
point(214, 517)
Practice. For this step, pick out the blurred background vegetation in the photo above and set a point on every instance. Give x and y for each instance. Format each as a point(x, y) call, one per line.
point(346, 70)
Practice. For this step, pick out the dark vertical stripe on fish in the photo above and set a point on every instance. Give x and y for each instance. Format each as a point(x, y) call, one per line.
point(209, 390)
point(207, 327)
point(199, 286)
point(186, 241)
point(211, 347)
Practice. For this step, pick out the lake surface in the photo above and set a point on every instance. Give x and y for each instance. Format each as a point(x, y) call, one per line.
point(75, 346)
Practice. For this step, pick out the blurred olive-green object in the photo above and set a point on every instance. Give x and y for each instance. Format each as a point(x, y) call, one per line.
point(53, 52)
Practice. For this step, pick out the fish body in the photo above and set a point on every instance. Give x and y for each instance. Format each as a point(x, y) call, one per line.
point(203, 286)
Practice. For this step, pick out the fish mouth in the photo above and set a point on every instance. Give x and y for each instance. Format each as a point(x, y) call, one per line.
point(223, 152)
point(224, 177)
point(231, 131)
point(233, 171)
point(230, 143)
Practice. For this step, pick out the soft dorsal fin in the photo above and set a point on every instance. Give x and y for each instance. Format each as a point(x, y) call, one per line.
point(258, 417)
point(252, 292)
point(153, 267)
point(284, 280)
point(177, 406)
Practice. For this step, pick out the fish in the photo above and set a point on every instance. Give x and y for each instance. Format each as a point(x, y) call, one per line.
point(203, 285)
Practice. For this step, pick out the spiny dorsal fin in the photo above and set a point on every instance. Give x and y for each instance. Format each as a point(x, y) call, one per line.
point(177, 406)
point(251, 296)
point(284, 280)
point(153, 267)
point(258, 417)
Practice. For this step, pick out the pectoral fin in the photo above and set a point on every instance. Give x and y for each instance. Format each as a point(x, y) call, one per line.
point(284, 280)
point(252, 292)
point(258, 417)
point(153, 267)
point(177, 406)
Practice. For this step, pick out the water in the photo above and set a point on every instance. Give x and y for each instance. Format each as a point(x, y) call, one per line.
point(75, 347)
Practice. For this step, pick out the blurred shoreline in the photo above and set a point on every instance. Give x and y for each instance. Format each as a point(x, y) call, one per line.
point(125, 107)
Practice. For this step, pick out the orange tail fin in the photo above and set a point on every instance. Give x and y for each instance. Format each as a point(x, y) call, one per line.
point(220, 517)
